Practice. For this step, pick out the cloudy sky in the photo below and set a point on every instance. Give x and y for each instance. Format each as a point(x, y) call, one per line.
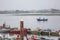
point(29, 4)
point(30, 21)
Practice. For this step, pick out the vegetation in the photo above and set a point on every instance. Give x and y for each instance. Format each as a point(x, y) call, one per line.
point(44, 33)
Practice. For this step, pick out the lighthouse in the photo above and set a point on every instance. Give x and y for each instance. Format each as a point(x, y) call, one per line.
point(21, 28)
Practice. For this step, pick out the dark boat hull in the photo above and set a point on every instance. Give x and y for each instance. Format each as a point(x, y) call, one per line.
point(4, 31)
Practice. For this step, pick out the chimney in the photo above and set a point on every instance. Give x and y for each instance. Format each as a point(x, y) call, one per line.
point(4, 25)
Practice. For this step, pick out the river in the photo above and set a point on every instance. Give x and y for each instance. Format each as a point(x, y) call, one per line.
point(52, 24)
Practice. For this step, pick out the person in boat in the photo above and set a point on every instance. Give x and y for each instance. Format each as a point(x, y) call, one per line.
point(18, 38)
point(33, 37)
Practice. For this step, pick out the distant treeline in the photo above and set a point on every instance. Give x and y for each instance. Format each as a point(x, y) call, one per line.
point(31, 11)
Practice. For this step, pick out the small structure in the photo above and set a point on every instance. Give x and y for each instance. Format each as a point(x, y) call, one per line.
point(4, 26)
point(48, 30)
point(59, 32)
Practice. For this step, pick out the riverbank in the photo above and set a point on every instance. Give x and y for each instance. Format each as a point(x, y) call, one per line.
point(44, 33)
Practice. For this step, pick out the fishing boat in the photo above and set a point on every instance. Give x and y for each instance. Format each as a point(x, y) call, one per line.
point(44, 19)
point(48, 38)
point(4, 31)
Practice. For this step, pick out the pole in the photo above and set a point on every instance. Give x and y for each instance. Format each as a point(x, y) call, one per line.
point(49, 34)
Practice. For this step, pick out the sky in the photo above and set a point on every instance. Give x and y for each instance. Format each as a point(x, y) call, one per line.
point(31, 22)
point(29, 4)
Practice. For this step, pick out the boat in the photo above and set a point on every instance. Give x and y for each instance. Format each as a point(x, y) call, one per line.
point(47, 38)
point(44, 19)
point(4, 31)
